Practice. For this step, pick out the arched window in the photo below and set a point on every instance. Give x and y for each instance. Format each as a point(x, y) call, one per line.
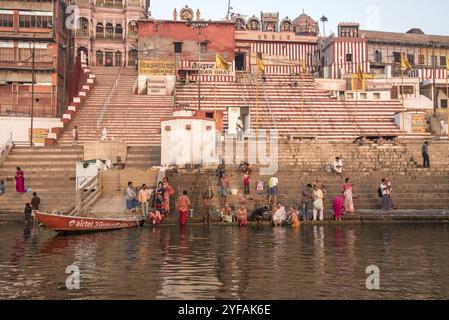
point(132, 28)
point(109, 30)
point(99, 30)
point(118, 30)
point(82, 27)
point(83, 53)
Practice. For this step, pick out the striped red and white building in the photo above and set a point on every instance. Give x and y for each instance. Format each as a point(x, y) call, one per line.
point(344, 54)
point(282, 52)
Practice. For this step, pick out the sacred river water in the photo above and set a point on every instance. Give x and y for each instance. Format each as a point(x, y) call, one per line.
point(225, 262)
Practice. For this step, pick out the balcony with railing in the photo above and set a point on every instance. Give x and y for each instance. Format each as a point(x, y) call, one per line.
point(133, 3)
point(110, 3)
point(82, 33)
point(109, 36)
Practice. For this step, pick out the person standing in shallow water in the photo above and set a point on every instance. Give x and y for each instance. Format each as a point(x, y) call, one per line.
point(20, 180)
point(168, 192)
point(184, 205)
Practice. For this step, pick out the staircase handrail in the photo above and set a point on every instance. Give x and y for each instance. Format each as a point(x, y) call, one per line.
point(6, 148)
point(104, 108)
point(309, 105)
point(88, 194)
point(267, 99)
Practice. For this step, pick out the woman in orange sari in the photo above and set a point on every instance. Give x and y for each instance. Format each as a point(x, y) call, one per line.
point(167, 194)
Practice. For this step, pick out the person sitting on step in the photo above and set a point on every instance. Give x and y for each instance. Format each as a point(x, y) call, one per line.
point(337, 166)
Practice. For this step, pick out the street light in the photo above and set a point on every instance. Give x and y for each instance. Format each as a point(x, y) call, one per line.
point(198, 25)
point(33, 80)
point(324, 19)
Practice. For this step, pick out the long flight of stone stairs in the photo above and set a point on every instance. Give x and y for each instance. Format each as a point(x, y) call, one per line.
point(134, 119)
point(50, 171)
point(279, 101)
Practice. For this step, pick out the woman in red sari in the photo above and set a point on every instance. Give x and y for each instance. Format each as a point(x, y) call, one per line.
point(20, 181)
point(168, 192)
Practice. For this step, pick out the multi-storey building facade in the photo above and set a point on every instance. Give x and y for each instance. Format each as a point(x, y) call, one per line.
point(33, 38)
point(106, 32)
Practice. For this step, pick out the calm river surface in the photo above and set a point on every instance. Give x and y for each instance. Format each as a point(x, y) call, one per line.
point(225, 262)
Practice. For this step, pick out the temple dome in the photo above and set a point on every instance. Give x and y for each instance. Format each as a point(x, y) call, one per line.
point(415, 31)
point(305, 25)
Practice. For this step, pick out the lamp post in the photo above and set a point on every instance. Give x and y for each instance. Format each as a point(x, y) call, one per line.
point(33, 80)
point(199, 25)
point(434, 66)
point(324, 19)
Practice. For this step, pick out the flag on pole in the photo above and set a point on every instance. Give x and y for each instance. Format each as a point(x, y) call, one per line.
point(405, 64)
point(221, 63)
point(360, 74)
point(303, 65)
point(260, 64)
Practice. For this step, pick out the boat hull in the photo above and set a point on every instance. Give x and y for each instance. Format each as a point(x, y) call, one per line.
point(61, 223)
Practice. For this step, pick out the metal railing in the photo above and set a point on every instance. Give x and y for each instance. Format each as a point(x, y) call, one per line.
point(267, 99)
point(104, 108)
point(88, 194)
point(6, 148)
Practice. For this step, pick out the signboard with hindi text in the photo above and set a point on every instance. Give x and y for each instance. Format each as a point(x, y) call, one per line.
point(157, 67)
point(39, 135)
point(419, 123)
point(208, 69)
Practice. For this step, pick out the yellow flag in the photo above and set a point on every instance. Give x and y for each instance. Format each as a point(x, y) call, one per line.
point(447, 64)
point(303, 65)
point(360, 74)
point(221, 63)
point(260, 64)
point(404, 62)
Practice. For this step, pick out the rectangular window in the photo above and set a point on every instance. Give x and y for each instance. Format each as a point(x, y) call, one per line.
point(6, 54)
point(6, 20)
point(203, 47)
point(411, 59)
point(421, 59)
point(397, 57)
point(434, 61)
point(444, 103)
point(443, 61)
point(408, 90)
point(349, 57)
point(178, 47)
point(24, 21)
point(34, 21)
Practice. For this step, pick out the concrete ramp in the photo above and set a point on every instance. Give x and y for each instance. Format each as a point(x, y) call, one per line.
point(109, 206)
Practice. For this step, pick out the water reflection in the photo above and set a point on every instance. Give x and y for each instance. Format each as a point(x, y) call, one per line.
point(225, 262)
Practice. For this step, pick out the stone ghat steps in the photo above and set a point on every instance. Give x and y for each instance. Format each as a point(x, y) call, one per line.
point(143, 157)
point(15, 203)
point(133, 119)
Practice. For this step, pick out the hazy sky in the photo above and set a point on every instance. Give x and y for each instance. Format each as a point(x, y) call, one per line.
point(387, 15)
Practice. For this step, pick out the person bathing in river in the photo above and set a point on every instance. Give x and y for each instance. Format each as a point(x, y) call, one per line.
point(280, 215)
point(155, 217)
point(338, 205)
point(293, 218)
point(184, 205)
point(242, 216)
point(168, 192)
point(226, 214)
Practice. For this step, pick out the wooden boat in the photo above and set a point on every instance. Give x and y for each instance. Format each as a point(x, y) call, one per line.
point(71, 224)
